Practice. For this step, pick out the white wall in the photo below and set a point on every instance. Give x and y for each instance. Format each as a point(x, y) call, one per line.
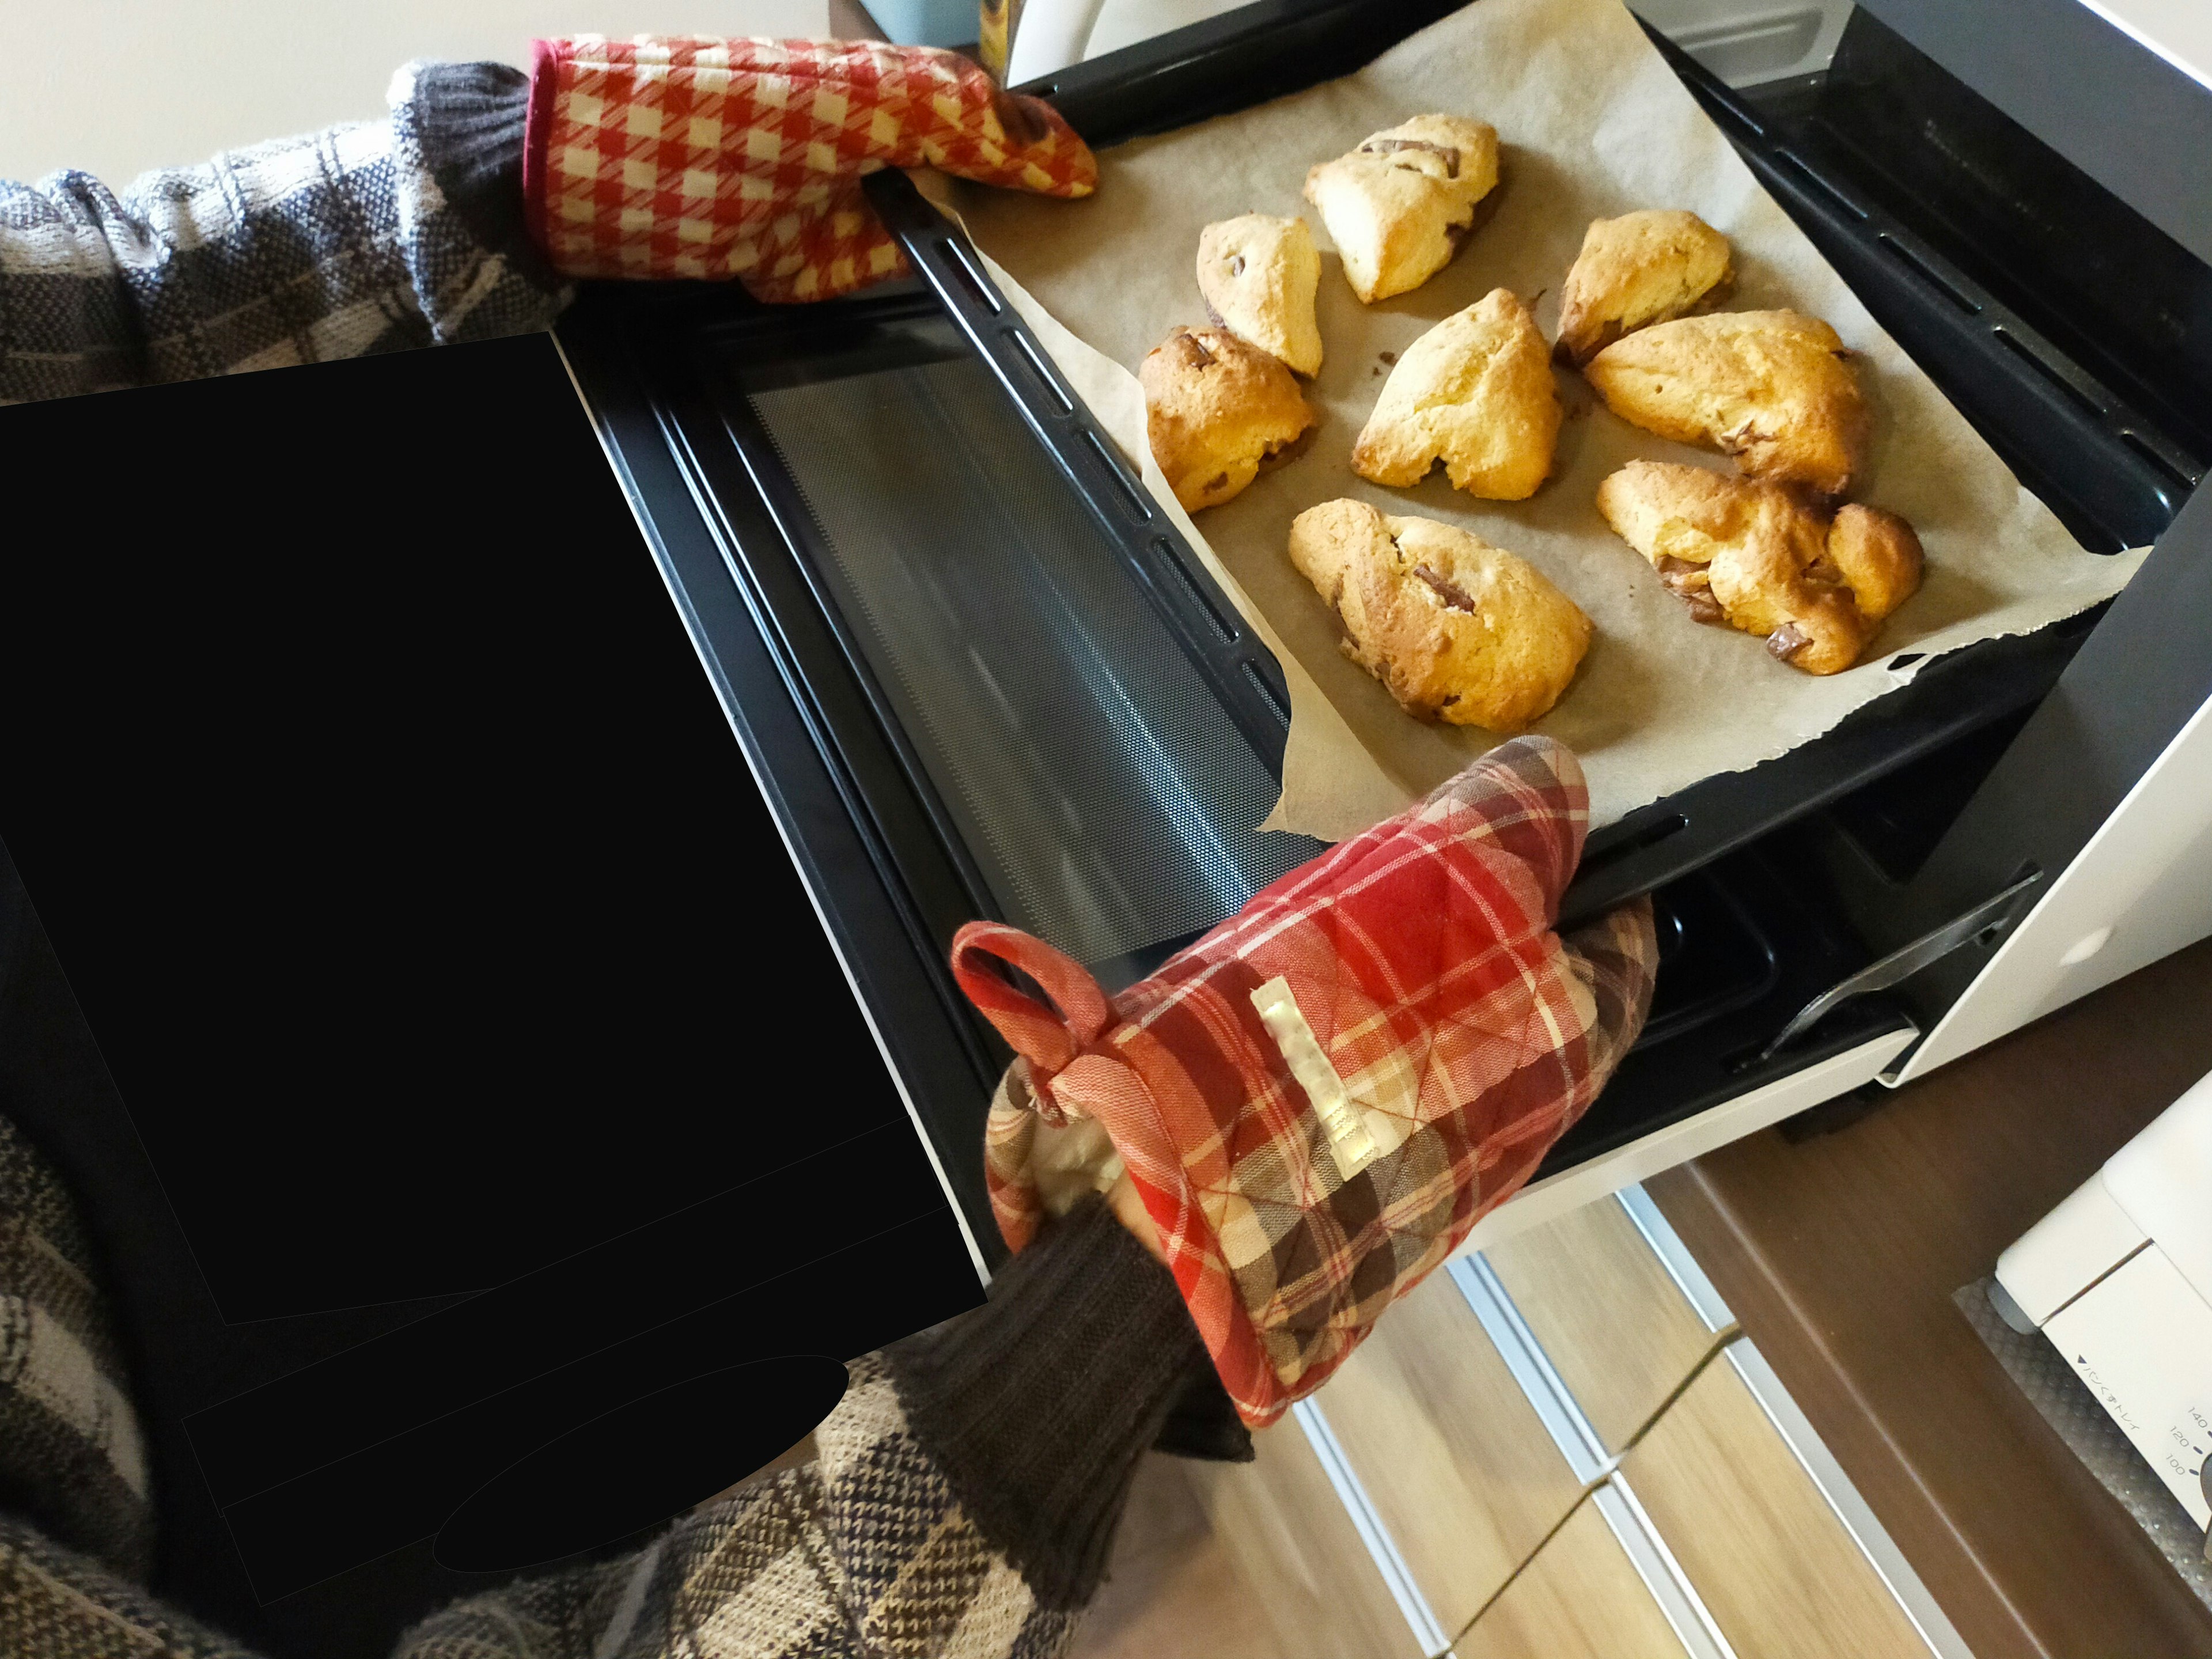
point(2179, 31)
point(1125, 22)
point(118, 86)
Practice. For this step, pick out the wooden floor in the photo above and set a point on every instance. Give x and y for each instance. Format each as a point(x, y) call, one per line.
point(1840, 1251)
point(1515, 1549)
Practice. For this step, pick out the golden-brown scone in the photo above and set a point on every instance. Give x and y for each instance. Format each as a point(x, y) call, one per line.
point(1640, 269)
point(1399, 205)
point(1259, 275)
point(1220, 411)
point(1458, 630)
point(1879, 556)
point(1772, 388)
point(1475, 392)
point(1755, 557)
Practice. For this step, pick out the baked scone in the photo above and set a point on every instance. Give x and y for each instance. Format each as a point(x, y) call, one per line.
point(1755, 557)
point(1220, 411)
point(1399, 205)
point(1259, 275)
point(1475, 392)
point(1458, 630)
point(1640, 269)
point(1772, 388)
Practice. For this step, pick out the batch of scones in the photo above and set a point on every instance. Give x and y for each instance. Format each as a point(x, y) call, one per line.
point(1459, 630)
point(1770, 387)
point(1637, 270)
point(1760, 557)
point(1400, 204)
point(1259, 277)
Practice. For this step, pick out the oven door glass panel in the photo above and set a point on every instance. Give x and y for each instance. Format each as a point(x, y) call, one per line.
point(1109, 801)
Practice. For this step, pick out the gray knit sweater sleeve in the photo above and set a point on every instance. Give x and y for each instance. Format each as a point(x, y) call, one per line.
point(375, 236)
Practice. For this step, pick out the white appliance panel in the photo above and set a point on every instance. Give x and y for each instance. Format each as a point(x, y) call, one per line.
point(2140, 889)
point(2141, 1340)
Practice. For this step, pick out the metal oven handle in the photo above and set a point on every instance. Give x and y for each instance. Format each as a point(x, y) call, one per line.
point(1992, 915)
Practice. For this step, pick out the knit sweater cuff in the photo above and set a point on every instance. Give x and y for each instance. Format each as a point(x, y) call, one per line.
point(472, 122)
point(1039, 1405)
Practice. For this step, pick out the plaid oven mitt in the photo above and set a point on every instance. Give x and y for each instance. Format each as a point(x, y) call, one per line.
point(697, 156)
point(1317, 1100)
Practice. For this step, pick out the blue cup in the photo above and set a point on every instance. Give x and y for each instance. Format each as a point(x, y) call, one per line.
point(927, 23)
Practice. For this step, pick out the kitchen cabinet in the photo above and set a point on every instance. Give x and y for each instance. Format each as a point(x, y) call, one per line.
point(1841, 1251)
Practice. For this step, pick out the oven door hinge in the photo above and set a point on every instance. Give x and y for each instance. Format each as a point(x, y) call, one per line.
point(1984, 922)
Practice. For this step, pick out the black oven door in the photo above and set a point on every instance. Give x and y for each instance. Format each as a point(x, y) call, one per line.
point(450, 1050)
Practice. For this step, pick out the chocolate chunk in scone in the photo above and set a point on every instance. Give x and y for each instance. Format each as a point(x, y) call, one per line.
point(1259, 275)
point(1474, 392)
point(1456, 629)
point(1758, 557)
point(1219, 411)
point(1399, 205)
point(1772, 388)
point(1637, 270)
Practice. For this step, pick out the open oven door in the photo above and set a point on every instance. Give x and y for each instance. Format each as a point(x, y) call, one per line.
point(2106, 799)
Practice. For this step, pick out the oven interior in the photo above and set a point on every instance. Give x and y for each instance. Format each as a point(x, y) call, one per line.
point(1028, 699)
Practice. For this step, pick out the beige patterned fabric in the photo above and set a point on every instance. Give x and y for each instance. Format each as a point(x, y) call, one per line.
point(866, 1551)
point(70, 1451)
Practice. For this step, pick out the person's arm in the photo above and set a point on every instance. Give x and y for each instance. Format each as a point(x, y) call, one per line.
point(965, 1493)
point(465, 215)
point(961, 1501)
point(374, 236)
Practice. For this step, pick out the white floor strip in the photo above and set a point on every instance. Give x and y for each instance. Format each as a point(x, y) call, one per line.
point(1819, 1463)
point(1579, 1443)
point(1571, 1432)
point(1797, 1433)
point(1675, 1255)
point(1380, 1547)
point(1693, 1624)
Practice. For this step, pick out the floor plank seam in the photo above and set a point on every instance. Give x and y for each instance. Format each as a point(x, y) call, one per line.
point(1605, 1473)
point(1529, 1560)
point(1714, 1350)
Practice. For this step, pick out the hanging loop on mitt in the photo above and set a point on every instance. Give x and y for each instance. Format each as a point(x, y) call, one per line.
point(1048, 1034)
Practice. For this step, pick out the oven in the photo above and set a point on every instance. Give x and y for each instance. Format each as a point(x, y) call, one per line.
point(969, 671)
point(947, 626)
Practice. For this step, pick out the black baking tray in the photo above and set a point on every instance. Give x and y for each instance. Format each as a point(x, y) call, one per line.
point(2113, 475)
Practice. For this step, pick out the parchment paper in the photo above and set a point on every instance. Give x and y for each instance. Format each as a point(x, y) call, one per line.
point(1592, 122)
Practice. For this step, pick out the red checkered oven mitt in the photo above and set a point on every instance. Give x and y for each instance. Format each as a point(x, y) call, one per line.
point(1317, 1100)
point(686, 155)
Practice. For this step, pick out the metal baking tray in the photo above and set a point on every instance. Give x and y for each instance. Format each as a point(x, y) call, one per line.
point(2112, 474)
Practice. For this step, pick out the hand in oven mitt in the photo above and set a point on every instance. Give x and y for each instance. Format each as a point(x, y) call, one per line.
point(1317, 1100)
point(695, 157)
